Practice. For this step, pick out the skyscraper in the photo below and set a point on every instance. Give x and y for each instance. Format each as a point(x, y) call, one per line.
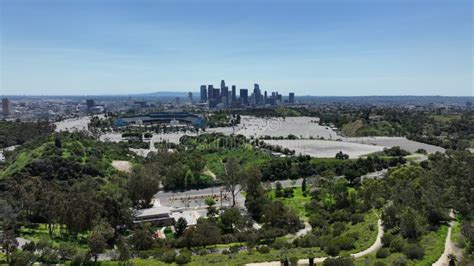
point(257, 94)
point(225, 94)
point(190, 97)
point(222, 84)
point(90, 103)
point(291, 98)
point(210, 92)
point(244, 96)
point(234, 94)
point(203, 94)
point(6, 106)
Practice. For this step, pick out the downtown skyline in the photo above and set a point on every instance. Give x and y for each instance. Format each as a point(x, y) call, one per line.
point(321, 48)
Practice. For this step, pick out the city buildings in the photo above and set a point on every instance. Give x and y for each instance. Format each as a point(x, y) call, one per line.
point(291, 98)
point(190, 97)
point(223, 98)
point(90, 103)
point(6, 106)
point(203, 94)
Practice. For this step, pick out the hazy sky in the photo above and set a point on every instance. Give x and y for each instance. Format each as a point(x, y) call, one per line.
point(372, 47)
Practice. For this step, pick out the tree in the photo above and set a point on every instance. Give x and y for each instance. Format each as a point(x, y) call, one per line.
point(255, 199)
point(66, 250)
point(22, 257)
point(411, 225)
point(97, 244)
point(303, 185)
point(233, 177)
point(142, 185)
point(9, 244)
point(341, 156)
point(116, 205)
point(181, 226)
point(211, 208)
point(278, 190)
point(206, 233)
point(141, 238)
point(230, 219)
point(123, 249)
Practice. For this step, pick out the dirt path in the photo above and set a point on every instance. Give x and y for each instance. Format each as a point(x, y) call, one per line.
point(375, 246)
point(124, 166)
point(449, 247)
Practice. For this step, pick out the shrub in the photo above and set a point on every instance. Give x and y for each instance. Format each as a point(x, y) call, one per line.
point(280, 243)
point(183, 258)
point(386, 239)
point(263, 249)
point(401, 261)
point(332, 249)
point(338, 228)
point(414, 252)
point(168, 256)
point(30, 246)
point(382, 253)
point(294, 261)
point(345, 242)
point(397, 244)
point(22, 257)
point(357, 218)
point(234, 249)
point(339, 261)
point(379, 263)
point(288, 192)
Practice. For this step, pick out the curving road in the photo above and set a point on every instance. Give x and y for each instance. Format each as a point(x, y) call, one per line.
point(375, 246)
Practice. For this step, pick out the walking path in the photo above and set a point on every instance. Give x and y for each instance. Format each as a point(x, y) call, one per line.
point(449, 247)
point(375, 246)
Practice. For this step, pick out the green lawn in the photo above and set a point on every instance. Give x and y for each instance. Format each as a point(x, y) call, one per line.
point(297, 202)
point(247, 155)
point(41, 232)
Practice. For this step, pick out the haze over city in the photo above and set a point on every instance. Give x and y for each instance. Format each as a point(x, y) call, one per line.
point(341, 48)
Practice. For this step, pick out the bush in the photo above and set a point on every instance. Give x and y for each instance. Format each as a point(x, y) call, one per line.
point(339, 261)
point(345, 243)
point(414, 252)
point(288, 192)
point(183, 258)
point(379, 263)
point(357, 218)
point(382, 253)
point(332, 249)
point(22, 257)
point(263, 249)
point(168, 256)
point(397, 244)
point(234, 249)
point(387, 239)
point(401, 261)
point(338, 228)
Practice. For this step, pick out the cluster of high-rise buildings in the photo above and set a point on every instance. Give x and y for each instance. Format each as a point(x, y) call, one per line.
point(223, 97)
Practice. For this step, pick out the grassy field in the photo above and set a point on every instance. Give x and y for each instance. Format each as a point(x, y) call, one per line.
point(248, 155)
point(445, 118)
point(432, 243)
point(297, 202)
point(41, 233)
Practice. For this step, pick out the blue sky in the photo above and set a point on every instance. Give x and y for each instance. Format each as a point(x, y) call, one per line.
point(371, 47)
